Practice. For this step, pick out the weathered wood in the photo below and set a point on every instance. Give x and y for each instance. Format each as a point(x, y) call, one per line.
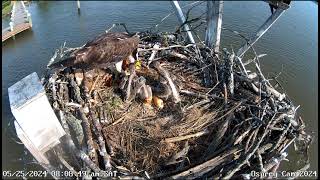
point(214, 24)
point(79, 153)
point(88, 133)
point(181, 138)
point(166, 75)
point(222, 129)
point(207, 166)
point(153, 54)
point(182, 20)
point(229, 58)
point(102, 143)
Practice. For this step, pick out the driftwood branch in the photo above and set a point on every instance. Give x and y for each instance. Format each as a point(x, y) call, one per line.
point(166, 75)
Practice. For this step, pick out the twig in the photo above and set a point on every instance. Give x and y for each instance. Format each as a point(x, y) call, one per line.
point(230, 173)
point(181, 138)
point(166, 75)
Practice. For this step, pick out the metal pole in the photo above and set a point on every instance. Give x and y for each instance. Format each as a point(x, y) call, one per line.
point(263, 29)
point(182, 19)
point(214, 23)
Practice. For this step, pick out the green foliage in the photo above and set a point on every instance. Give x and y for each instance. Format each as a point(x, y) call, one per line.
point(5, 3)
point(6, 8)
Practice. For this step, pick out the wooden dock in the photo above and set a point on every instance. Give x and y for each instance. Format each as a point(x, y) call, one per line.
point(20, 21)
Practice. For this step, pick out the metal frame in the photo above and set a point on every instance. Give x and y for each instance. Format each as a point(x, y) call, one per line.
point(182, 20)
point(263, 28)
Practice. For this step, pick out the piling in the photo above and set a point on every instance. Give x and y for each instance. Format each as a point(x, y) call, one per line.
point(78, 4)
point(214, 24)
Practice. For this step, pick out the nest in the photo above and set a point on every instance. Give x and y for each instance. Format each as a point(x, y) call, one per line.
point(224, 122)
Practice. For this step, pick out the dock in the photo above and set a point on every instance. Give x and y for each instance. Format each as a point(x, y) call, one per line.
point(20, 21)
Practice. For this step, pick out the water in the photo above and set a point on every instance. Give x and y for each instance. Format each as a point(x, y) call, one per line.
point(291, 45)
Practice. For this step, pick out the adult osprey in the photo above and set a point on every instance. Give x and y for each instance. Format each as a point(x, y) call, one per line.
point(104, 51)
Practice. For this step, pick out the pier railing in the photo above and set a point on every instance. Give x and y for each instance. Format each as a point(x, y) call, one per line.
point(20, 21)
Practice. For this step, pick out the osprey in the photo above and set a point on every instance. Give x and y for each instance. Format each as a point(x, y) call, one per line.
point(105, 51)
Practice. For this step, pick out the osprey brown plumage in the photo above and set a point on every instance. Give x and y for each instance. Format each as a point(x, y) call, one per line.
point(102, 52)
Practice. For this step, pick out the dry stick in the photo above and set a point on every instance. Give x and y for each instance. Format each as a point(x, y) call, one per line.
point(229, 71)
point(230, 173)
point(82, 155)
point(269, 88)
point(198, 104)
point(65, 93)
point(252, 138)
point(88, 133)
point(265, 148)
point(76, 89)
point(260, 161)
point(153, 54)
point(268, 85)
point(286, 146)
point(242, 65)
point(212, 88)
point(76, 126)
point(181, 138)
point(67, 165)
point(94, 84)
point(178, 55)
point(201, 169)
point(166, 75)
point(282, 137)
point(52, 80)
point(132, 75)
point(218, 136)
point(242, 136)
point(275, 161)
point(102, 144)
point(169, 47)
point(225, 93)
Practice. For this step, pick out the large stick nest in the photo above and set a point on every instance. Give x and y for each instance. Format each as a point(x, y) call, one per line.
point(228, 122)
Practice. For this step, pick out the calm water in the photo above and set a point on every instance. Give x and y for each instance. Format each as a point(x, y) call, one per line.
point(291, 45)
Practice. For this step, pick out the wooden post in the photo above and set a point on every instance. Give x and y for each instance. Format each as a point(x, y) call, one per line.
point(182, 19)
point(214, 23)
point(263, 29)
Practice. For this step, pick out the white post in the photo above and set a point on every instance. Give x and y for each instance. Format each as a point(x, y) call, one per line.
point(24, 7)
point(11, 26)
point(78, 3)
point(11, 29)
point(182, 19)
point(13, 10)
point(263, 29)
point(29, 18)
point(214, 23)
